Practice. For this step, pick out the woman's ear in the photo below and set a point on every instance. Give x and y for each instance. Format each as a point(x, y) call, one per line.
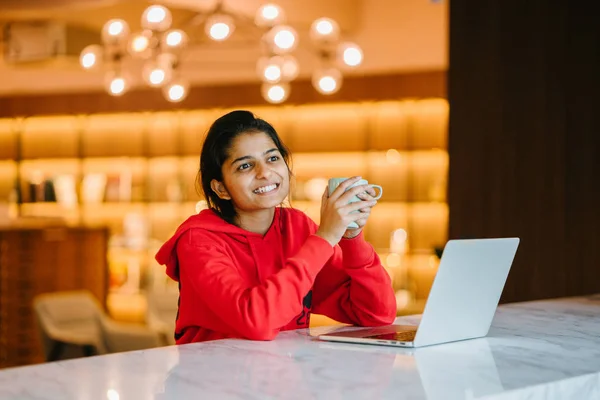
point(219, 189)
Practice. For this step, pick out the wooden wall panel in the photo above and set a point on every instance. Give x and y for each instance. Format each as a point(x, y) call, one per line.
point(524, 139)
point(40, 260)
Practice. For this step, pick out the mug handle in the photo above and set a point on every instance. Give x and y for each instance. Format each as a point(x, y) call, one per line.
point(380, 191)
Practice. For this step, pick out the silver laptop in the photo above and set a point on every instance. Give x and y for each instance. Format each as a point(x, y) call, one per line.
point(462, 301)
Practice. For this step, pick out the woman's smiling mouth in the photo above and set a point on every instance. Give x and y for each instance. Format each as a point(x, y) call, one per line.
point(266, 189)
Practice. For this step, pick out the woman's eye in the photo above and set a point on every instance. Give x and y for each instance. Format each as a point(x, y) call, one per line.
point(244, 166)
point(273, 158)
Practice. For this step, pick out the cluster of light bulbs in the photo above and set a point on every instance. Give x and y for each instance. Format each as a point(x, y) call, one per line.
point(162, 46)
point(278, 67)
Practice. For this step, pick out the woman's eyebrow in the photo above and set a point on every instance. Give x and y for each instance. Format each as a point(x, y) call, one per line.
point(250, 157)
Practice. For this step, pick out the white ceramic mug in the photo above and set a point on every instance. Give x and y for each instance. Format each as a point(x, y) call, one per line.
point(335, 182)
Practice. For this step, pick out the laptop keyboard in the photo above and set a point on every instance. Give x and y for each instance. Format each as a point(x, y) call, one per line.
point(407, 336)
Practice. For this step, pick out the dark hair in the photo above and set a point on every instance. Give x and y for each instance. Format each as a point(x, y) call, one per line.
point(215, 151)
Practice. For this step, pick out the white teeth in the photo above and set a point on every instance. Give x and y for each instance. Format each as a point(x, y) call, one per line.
point(265, 189)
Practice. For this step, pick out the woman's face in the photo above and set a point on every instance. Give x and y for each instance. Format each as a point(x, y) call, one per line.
point(255, 175)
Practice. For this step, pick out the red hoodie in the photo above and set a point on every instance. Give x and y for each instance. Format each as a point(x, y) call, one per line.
point(238, 284)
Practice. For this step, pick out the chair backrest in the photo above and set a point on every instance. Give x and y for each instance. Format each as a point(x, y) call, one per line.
point(69, 316)
point(68, 307)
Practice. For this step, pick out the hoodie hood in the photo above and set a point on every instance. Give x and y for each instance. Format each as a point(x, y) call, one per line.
point(207, 220)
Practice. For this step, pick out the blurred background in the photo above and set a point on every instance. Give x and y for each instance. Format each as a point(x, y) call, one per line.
point(479, 120)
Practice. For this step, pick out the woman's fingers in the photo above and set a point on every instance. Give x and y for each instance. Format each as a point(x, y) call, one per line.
point(370, 192)
point(351, 193)
point(356, 206)
point(343, 187)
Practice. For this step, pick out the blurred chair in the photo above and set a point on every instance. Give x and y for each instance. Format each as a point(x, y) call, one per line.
point(161, 314)
point(75, 318)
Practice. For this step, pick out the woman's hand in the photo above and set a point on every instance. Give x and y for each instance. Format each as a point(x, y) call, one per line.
point(337, 212)
point(367, 197)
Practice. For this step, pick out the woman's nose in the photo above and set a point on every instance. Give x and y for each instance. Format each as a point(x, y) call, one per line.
point(263, 171)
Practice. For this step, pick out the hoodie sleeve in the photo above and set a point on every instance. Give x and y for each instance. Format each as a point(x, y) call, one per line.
point(254, 312)
point(354, 287)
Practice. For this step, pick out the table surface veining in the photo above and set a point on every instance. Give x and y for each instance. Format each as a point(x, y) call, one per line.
point(535, 350)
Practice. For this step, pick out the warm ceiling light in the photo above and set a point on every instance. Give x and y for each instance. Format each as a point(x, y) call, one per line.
point(156, 18)
point(114, 30)
point(116, 84)
point(175, 38)
point(275, 93)
point(140, 44)
point(327, 81)
point(272, 73)
point(176, 91)
point(269, 15)
point(156, 74)
point(219, 31)
point(324, 29)
point(270, 69)
point(350, 54)
point(284, 39)
point(219, 27)
point(277, 67)
point(91, 56)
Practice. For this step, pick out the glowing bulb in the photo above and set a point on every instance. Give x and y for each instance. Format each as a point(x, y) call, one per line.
point(276, 93)
point(116, 84)
point(350, 54)
point(285, 39)
point(175, 38)
point(88, 60)
point(324, 29)
point(219, 31)
point(176, 91)
point(272, 73)
point(91, 56)
point(282, 39)
point(327, 84)
point(114, 30)
point(327, 81)
point(139, 43)
point(269, 15)
point(219, 27)
point(156, 18)
point(156, 74)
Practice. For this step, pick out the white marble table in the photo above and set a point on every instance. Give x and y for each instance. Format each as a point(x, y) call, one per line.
point(536, 350)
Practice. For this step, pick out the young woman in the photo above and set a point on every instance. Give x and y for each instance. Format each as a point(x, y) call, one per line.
point(248, 268)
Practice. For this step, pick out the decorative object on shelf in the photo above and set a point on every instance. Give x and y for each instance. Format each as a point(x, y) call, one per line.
point(162, 47)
